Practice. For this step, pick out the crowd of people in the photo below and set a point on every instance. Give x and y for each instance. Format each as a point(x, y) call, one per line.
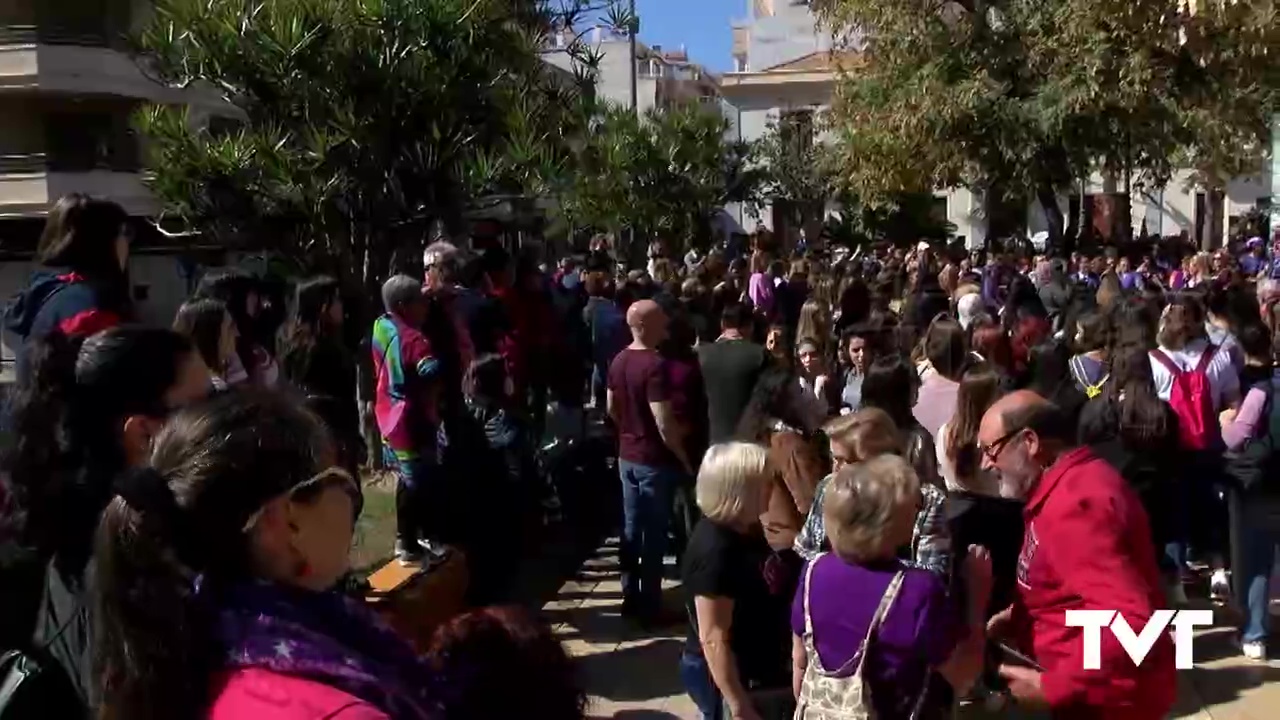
point(910, 464)
point(885, 475)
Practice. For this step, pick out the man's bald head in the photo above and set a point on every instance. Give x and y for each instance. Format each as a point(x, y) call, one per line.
point(641, 312)
point(648, 323)
point(1012, 410)
point(1021, 434)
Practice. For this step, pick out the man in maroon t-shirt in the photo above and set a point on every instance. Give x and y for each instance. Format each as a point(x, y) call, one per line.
point(651, 457)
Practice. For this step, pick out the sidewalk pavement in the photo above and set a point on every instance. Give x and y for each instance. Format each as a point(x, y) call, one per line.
point(631, 675)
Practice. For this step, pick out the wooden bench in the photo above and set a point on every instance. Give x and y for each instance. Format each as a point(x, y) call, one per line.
point(415, 601)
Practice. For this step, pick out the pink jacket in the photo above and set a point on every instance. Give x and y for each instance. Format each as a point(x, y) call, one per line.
point(265, 695)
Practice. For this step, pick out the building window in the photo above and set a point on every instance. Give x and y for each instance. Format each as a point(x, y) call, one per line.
point(938, 209)
point(740, 63)
point(796, 128)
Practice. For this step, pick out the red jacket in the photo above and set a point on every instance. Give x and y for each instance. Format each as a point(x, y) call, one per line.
point(1088, 546)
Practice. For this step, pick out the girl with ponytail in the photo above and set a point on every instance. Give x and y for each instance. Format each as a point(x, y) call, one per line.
point(85, 412)
point(216, 572)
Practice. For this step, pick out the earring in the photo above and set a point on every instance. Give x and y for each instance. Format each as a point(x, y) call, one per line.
point(301, 568)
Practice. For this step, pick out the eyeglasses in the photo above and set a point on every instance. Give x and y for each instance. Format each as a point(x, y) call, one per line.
point(992, 451)
point(327, 478)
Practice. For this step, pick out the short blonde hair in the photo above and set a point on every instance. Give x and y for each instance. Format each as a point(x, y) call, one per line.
point(861, 504)
point(729, 481)
point(867, 432)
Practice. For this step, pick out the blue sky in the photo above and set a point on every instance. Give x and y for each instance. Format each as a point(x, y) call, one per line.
point(702, 26)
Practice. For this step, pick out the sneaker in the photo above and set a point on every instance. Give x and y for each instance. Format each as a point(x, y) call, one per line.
point(433, 552)
point(408, 553)
point(1254, 650)
point(1219, 585)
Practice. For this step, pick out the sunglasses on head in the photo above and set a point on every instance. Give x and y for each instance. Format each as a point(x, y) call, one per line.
point(313, 487)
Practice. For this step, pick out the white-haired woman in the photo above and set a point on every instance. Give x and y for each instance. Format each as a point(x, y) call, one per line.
point(863, 621)
point(735, 660)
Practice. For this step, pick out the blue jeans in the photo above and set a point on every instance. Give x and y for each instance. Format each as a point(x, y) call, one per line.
point(420, 504)
point(646, 511)
point(696, 677)
point(1258, 532)
point(600, 385)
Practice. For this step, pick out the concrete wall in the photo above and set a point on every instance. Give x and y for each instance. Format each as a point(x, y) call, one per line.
point(614, 81)
point(790, 32)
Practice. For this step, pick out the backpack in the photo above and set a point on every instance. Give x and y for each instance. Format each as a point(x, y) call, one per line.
point(1082, 378)
point(34, 683)
point(1257, 461)
point(1192, 400)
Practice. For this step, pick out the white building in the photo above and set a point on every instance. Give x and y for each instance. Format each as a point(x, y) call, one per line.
point(662, 77)
point(784, 65)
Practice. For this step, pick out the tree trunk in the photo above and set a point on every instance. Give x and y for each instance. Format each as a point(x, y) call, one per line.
point(1053, 216)
point(371, 286)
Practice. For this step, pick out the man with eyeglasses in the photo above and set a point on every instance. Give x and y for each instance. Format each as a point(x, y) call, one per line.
point(1087, 546)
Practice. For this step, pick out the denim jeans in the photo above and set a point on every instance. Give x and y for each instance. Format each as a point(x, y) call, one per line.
point(419, 502)
point(646, 512)
point(696, 677)
point(600, 386)
point(1256, 527)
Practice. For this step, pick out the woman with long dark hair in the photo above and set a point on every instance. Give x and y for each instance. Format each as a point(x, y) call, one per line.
point(1049, 376)
point(316, 361)
point(82, 286)
point(958, 459)
point(1131, 428)
point(88, 410)
point(773, 419)
point(216, 567)
point(209, 327)
point(240, 291)
point(892, 386)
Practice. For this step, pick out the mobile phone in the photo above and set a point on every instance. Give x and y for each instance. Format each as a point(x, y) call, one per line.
point(1013, 657)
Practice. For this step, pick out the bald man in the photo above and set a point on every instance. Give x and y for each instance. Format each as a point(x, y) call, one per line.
point(651, 457)
point(1086, 546)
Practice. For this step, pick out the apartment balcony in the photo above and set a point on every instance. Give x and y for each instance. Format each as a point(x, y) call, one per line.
point(30, 184)
point(79, 47)
point(50, 147)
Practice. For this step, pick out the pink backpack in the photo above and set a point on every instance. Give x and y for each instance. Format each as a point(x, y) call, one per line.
point(1192, 400)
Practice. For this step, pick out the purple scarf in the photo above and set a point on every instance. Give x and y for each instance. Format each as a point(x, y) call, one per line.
point(325, 637)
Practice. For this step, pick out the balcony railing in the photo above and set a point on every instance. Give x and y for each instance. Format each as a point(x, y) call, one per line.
point(22, 163)
point(124, 157)
point(55, 35)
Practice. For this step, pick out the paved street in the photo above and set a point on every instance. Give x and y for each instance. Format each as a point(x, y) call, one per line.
point(633, 677)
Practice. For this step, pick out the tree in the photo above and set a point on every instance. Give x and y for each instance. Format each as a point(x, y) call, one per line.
point(664, 174)
point(1020, 98)
point(363, 122)
point(799, 171)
